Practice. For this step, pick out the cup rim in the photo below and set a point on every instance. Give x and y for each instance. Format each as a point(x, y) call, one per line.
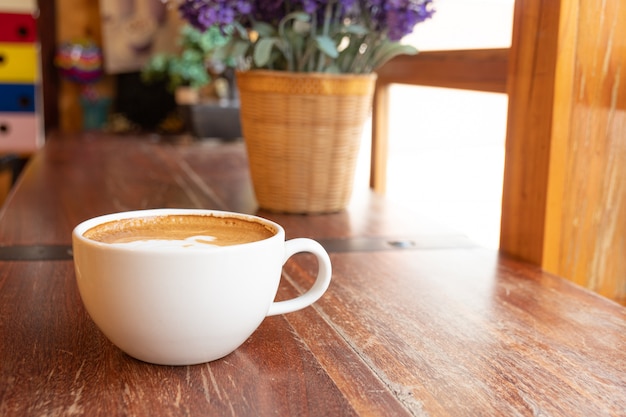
point(82, 227)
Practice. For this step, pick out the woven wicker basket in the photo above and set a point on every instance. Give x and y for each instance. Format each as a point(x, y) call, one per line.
point(302, 133)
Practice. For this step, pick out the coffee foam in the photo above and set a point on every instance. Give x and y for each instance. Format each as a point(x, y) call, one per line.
point(190, 243)
point(180, 231)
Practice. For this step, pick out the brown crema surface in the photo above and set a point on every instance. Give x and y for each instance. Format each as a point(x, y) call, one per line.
point(226, 230)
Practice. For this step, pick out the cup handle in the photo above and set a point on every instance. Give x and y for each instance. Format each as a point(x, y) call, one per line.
point(321, 283)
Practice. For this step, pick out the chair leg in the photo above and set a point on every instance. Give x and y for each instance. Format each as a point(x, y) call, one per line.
point(380, 138)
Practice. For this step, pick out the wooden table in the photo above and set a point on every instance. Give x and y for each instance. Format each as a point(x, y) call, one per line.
point(418, 321)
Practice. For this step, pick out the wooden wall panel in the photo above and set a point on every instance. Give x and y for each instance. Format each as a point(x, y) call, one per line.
point(46, 29)
point(587, 241)
point(564, 199)
point(77, 19)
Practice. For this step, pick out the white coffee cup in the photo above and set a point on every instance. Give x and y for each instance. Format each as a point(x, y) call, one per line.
point(174, 304)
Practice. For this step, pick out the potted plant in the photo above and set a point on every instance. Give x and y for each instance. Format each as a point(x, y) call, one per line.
point(187, 71)
point(306, 79)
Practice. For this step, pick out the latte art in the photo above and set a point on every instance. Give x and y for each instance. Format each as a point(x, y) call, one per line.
point(179, 231)
point(190, 243)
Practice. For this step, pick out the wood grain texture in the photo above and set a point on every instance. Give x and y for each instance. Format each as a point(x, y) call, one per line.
point(46, 30)
point(489, 344)
point(380, 137)
point(451, 330)
point(588, 242)
point(564, 201)
point(532, 64)
point(472, 69)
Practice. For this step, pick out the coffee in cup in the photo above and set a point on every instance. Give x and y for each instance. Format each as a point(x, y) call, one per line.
point(186, 286)
point(180, 230)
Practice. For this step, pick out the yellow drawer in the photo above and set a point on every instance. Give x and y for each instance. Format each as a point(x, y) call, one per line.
point(18, 63)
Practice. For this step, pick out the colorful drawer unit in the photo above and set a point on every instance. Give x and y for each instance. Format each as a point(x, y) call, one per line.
point(20, 122)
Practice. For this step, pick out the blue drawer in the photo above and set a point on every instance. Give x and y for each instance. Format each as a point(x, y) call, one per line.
point(17, 98)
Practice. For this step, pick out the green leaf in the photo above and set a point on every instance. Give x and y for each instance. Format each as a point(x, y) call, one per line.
point(301, 24)
point(190, 55)
point(263, 50)
point(265, 30)
point(212, 38)
point(295, 40)
point(301, 16)
point(297, 16)
point(238, 49)
point(356, 29)
point(389, 50)
point(327, 46)
point(236, 29)
point(333, 69)
point(301, 28)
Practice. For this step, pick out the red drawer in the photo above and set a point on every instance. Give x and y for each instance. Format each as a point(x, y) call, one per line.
point(17, 27)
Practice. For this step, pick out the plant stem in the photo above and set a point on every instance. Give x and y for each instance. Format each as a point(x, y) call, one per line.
point(310, 45)
point(328, 15)
point(359, 64)
point(285, 47)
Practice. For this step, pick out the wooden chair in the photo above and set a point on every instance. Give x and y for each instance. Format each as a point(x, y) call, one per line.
point(564, 195)
point(481, 70)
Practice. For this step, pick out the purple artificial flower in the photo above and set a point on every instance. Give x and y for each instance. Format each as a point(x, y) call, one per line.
point(312, 6)
point(269, 11)
point(368, 27)
point(203, 14)
point(399, 17)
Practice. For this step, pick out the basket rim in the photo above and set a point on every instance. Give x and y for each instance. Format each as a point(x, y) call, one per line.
point(296, 74)
point(304, 83)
